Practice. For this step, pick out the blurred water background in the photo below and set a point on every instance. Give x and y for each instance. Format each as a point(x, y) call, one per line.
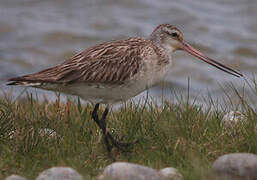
point(36, 34)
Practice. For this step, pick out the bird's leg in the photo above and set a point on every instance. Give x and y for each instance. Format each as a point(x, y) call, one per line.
point(101, 124)
point(107, 136)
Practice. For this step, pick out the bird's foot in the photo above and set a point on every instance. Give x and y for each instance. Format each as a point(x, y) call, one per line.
point(109, 140)
point(119, 144)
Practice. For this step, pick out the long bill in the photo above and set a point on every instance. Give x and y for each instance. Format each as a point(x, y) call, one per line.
point(210, 61)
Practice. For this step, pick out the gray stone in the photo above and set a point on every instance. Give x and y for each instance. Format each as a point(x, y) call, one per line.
point(171, 173)
point(15, 177)
point(11, 134)
point(236, 165)
point(129, 171)
point(47, 132)
point(59, 173)
point(232, 118)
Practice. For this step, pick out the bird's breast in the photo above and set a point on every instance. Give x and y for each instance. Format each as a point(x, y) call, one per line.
point(153, 72)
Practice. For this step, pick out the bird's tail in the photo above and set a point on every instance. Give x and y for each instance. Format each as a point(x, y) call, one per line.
point(22, 81)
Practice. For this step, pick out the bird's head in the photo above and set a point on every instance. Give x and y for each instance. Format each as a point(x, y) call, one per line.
point(168, 36)
point(171, 39)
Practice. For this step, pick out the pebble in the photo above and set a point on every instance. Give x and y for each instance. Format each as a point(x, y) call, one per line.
point(236, 166)
point(59, 173)
point(171, 174)
point(130, 171)
point(232, 118)
point(47, 132)
point(117, 171)
point(15, 177)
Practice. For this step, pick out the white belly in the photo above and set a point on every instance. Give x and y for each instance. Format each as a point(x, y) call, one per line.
point(113, 93)
point(107, 94)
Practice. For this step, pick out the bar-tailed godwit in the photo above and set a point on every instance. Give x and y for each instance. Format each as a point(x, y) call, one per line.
point(116, 71)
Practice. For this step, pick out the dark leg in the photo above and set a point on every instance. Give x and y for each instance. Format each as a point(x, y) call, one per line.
point(107, 136)
point(101, 124)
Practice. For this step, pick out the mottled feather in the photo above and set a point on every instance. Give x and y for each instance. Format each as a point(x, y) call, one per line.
point(108, 63)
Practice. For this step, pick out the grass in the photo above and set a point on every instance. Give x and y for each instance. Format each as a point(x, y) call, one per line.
point(183, 135)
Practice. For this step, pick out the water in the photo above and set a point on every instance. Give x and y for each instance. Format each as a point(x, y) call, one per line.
point(36, 34)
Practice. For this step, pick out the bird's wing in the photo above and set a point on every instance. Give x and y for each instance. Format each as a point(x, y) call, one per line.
point(112, 62)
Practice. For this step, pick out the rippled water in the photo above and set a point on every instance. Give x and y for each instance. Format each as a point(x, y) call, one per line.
point(36, 34)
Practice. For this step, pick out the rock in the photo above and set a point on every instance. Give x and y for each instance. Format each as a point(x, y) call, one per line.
point(129, 171)
point(236, 166)
point(11, 134)
point(15, 177)
point(47, 132)
point(232, 118)
point(59, 173)
point(171, 174)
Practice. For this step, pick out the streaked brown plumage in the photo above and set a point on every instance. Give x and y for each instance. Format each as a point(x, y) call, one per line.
point(117, 70)
point(109, 63)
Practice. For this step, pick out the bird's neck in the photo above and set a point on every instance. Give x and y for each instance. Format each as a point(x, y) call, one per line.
point(156, 39)
point(159, 42)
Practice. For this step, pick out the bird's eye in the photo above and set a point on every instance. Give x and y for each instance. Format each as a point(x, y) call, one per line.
point(174, 34)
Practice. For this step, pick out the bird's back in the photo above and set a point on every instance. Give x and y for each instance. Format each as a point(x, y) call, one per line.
point(108, 64)
point(111, 62)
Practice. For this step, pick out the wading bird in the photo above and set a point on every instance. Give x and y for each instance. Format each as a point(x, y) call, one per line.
point(116, 71)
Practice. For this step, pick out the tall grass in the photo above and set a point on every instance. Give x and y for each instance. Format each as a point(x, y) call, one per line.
point(182, 135)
